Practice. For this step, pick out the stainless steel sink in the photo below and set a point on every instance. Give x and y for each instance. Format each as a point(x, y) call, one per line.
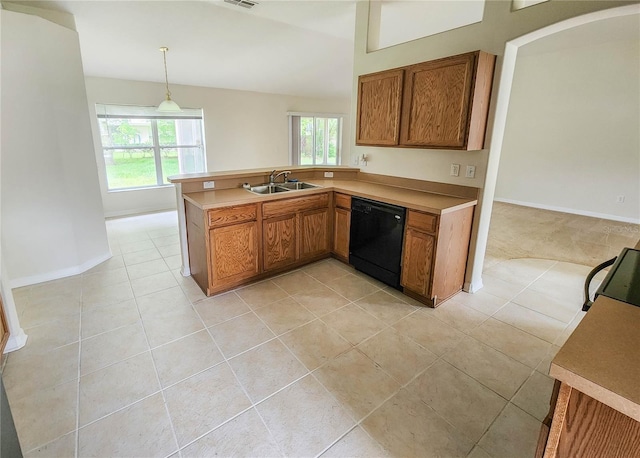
point(281, 187)
point(293, 185)
point(267, 189)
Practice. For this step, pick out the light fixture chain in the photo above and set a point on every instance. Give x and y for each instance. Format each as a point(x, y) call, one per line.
point(167, 105)
point(166, 75)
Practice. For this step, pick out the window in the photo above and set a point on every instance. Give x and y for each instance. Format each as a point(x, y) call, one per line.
point(142, 147)
point(315, 139)
point(392, 22)
point(520, 4)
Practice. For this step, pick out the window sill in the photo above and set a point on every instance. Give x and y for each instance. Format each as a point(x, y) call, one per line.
point(145, 188)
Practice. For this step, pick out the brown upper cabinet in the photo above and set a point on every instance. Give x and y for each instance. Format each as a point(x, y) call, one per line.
point(443, 104)
point(379, 104)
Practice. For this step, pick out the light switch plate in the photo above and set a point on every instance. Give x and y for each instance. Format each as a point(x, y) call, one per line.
point(471, 171)
point(328, 174)
point(209, 184)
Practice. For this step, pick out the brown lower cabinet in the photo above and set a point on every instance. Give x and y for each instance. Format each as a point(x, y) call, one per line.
point(341, 226)
point(314, 232)
point(224, 245)
point(579, 426)
point(280, 241)
point(434, 257)
point(231, 246)
point(417, 261)
point(233, 253)
point(295, 230)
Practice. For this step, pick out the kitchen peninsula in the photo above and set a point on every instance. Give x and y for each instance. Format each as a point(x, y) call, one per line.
point(231, 236)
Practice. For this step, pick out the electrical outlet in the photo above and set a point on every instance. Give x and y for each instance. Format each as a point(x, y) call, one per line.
point(471, 171)
point(328, 174)
point(455, 170)
point(355, 160)
point(209, 184)
point(620, 199)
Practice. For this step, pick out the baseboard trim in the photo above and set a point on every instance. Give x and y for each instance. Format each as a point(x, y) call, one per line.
point(137, 212)
point(621, 219)
point(57, 274)
point(16, 341)
point(473, 287)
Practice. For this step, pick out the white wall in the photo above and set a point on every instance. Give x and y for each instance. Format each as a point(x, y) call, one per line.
point(401, 21)
point(17, 337)
point(52, 217)
point(572, 139)
point(242, 130)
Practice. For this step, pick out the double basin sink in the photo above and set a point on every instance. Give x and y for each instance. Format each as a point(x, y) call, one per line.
point(272, 188)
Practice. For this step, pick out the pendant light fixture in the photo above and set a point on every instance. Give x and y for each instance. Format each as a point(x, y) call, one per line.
point(167, 105)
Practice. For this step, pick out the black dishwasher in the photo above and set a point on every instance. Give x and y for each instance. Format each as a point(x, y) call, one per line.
point(375, 243)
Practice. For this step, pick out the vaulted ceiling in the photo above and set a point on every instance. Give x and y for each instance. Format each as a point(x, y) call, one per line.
point(296, 47)
point(302, 47)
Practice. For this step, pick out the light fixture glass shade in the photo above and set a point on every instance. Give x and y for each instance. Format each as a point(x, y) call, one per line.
point(169, 106)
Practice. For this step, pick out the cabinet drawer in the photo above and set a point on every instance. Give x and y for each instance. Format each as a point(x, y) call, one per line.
point(298, 204)
point(423, 221)
point(231, 215)
point(343, 201)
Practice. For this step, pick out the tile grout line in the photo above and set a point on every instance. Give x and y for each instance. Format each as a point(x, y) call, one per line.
point(77, 409)
point(77, 439)
point(253, 404)
point(79, 377)
point(555, 263)
point(442, 356)
point(184, 336)
point(155, 369)
point(404, 386)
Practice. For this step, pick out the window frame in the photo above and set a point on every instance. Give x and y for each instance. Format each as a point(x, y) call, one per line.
point(154, 146)
point(294, 136)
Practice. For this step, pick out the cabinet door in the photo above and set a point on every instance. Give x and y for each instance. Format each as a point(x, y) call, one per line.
point(379, 103)
point(4, 329)
point(279, 241)
point(436, 103)
point(341, 228)
point(314, 233)
point(416, 261)
point(234, 254)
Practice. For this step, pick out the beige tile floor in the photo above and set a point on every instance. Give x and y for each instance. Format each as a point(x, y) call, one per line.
point(131, 359)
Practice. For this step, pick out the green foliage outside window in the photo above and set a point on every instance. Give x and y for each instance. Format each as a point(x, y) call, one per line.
point(131, 145)
point(316, 128)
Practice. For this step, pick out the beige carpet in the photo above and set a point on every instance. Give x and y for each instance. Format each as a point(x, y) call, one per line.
point(523, 232)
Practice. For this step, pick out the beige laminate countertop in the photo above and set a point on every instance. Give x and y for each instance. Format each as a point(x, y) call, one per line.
point(601, 358)
point(416, 200)
point(190, 177)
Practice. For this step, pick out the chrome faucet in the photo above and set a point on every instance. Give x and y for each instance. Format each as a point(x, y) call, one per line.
point(273, 176)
